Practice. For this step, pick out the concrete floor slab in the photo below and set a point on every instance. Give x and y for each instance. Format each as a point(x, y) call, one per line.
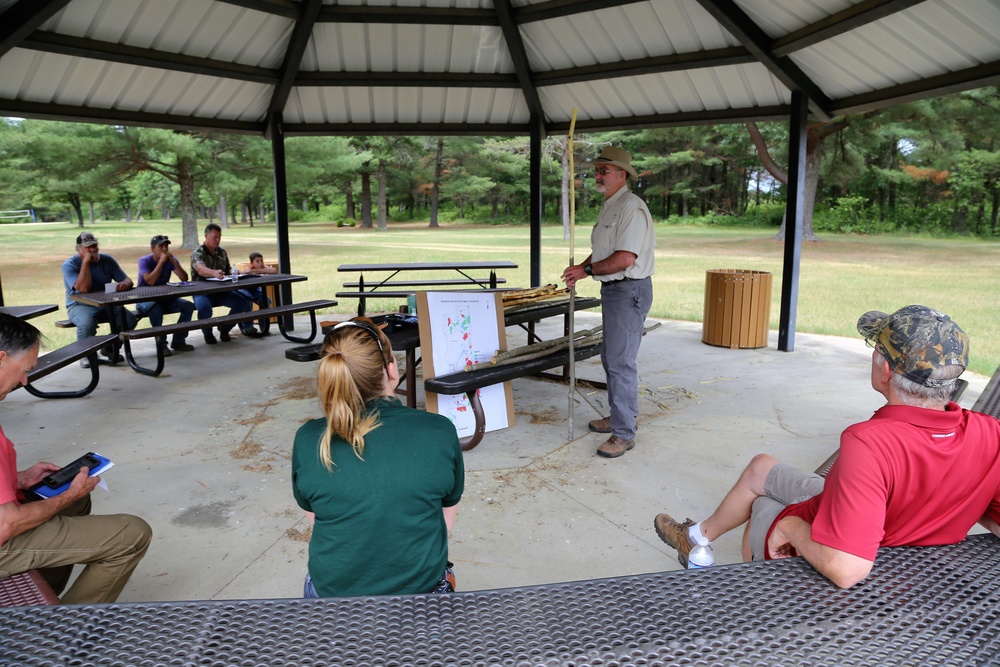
point(202, 453)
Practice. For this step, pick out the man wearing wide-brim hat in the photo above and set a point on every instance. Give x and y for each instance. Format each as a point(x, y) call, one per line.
point(623, 244)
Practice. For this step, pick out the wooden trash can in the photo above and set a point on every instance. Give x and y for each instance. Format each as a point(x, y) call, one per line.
point(737, 308)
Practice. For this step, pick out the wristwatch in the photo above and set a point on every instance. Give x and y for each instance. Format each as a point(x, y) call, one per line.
point(588, 269)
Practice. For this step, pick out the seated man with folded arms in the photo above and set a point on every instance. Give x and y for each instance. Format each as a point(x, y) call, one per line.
point(89, 271)
point(54, 534)
point(155, 269)
point(921, 472)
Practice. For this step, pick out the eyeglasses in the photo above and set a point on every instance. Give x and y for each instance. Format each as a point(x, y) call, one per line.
point(367, 328)
point(605, 171)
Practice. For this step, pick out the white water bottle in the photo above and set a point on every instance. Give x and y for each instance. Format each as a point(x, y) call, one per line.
point(701, 556)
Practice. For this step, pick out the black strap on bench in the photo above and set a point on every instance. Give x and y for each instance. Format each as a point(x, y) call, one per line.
point(469, 382)
point(236, 318)
point(64, 356)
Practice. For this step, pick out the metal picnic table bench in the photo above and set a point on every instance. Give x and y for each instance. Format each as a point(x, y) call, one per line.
point(200, 287)
point(927, 606)
point(29, 312)
point(59, 358)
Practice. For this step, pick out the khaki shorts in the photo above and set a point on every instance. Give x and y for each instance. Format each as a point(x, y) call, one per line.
point(784, 486)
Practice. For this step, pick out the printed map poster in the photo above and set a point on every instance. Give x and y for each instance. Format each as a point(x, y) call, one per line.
point(458, 329)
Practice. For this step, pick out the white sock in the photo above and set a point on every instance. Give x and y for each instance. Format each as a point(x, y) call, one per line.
point(694, 532)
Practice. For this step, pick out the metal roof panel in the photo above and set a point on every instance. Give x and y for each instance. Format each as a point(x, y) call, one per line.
point(916, 43)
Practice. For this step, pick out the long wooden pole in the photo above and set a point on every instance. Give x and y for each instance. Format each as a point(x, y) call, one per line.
point(572, 293)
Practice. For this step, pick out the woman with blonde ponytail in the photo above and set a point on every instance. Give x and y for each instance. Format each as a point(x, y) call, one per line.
point(381, 480)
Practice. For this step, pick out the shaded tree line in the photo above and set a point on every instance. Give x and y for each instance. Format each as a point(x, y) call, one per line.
point(930, 166)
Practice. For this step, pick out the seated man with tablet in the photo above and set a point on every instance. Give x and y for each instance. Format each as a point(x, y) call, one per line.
point(52, 534)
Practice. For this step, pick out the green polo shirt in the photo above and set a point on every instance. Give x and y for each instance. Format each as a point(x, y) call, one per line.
point(379, 524)
point(219, 260)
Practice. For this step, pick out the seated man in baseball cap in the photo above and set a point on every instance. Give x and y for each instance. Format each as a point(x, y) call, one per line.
point(90, 270)
point(922, 471)
point(155, 269)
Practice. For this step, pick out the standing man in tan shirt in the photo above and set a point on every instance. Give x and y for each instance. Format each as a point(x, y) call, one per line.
point(623, 245)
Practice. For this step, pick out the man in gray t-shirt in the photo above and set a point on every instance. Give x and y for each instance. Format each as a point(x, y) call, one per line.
point(623, 245)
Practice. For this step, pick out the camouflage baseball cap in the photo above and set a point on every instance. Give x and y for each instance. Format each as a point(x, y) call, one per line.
point(86, 240)
point(916, 340)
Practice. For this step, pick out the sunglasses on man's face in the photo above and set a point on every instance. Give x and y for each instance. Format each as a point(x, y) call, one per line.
point(604, 171)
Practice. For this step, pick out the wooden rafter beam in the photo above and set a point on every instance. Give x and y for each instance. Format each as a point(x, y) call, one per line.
point(739, 24)
point(842, 22)
point(301, 34)
point(987, 74)
point(518, 55)
point(24, 18)
point(105, 116)
point(130, 55)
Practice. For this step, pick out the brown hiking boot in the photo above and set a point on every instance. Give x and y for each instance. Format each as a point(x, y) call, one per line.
point(614, 447)
point(675, 534)
point(600, 425)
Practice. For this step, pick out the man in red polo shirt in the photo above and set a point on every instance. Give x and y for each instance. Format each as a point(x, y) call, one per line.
point(922, 471)
point(54, 534)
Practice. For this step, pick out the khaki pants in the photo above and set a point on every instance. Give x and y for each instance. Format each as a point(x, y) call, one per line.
point(108, 546)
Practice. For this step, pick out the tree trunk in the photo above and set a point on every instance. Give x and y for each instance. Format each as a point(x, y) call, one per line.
point(93, 218)
point(809, 203)
point(189, 220)
point(382, 226)
point(223, 210)
point(349, 204)
point(436, 187)
point(995, 192)
point(816, 134)
point(74, 201)
point(366, 200)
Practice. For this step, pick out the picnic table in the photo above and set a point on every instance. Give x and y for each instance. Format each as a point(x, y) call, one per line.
point(406, 338)
point(109, 300)
point(387, 287)
point(28, 312)
point(923, 606)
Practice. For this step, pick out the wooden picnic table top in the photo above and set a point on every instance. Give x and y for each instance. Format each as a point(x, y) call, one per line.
point(28, 312)
point(429, 266)
point(925, 606)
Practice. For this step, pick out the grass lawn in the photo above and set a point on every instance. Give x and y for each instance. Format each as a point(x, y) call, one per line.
point(841, 277)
